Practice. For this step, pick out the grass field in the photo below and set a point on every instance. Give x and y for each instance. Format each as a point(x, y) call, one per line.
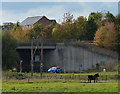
point(59, 83)
point(81, 76)
point(58, 86)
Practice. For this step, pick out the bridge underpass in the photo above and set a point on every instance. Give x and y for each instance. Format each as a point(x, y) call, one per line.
point(24, 50)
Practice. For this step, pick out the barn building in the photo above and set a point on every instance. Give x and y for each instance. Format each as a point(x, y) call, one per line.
point(29, 22)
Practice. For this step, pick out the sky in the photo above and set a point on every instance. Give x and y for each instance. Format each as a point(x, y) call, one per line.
point(18, 11)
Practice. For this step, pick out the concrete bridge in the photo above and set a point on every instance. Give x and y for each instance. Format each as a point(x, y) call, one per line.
point(49, 46)
point(71, 57)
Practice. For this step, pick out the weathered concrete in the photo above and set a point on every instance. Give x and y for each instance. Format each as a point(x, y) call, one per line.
point(77, 58)
point(72, 57)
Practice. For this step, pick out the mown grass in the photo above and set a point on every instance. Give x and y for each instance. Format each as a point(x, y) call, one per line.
point(58, 86)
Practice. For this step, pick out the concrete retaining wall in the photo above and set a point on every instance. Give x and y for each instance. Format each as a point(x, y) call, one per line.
point(77, 58)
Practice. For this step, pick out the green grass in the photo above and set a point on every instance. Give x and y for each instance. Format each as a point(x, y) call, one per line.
point(76, 76)
point(59, 86)
point(13, 74)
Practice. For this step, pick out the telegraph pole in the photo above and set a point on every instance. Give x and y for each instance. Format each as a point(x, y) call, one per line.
point(41, 59)
point(21, 66)
point(32, 56)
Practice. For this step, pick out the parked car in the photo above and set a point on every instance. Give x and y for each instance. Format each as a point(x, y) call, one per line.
point(55, 70)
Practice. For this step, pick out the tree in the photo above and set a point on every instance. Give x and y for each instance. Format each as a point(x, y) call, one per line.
point(20, 35)
point(100, 18)
point(9, 54)
point(97, 17)
point(68, 18)
point(67, 29)
point(57, 32)
point(36, 31)
point(91, 28)
point(109, 17)
point(117, 46)
point(99, 36)
point(105, 36)
point(7, 26)
point(93, 23)
point(16, 26)
point(110, 36)
point(80, 31)
point(117, 19)
point(48, 30)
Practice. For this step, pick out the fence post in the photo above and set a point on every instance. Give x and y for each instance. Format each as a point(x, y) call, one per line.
point(106, 77)
point(116, 76)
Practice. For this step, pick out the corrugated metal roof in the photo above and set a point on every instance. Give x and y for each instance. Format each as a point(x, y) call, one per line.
point(30, 20)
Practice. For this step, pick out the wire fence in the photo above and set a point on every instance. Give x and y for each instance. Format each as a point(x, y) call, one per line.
point(55, 76)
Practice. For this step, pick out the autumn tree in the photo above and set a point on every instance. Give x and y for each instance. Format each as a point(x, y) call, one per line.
point(36, 31)
point(110, 36)
point(48, 30)
point(80, 30)
point(20, 35)
point(16, 26)
point(57, 32)
point(100, 36)
point(67, 29)
point(105, 35)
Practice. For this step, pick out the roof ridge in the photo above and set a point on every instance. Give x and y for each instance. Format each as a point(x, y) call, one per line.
point(34, 16)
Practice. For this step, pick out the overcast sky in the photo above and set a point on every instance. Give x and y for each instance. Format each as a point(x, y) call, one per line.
point(18, 11)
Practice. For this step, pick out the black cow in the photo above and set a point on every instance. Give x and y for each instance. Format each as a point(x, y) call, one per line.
point(93, 77)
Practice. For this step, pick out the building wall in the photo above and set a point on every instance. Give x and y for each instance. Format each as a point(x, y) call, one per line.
point(27, 27)
point(44, 21)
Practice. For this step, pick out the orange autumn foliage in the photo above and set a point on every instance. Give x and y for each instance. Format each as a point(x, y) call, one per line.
point(20, 35)
point(105, 35)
